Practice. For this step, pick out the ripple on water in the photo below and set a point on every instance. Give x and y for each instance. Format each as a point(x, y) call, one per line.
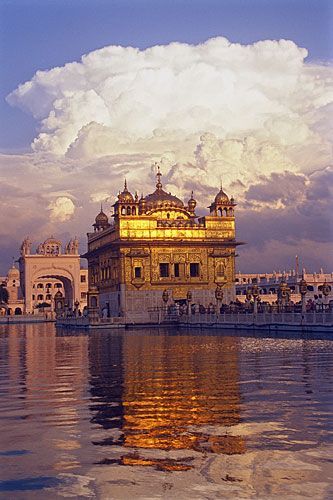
point(134, 405)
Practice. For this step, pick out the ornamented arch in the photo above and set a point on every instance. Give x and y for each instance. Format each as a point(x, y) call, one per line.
point(62, 274)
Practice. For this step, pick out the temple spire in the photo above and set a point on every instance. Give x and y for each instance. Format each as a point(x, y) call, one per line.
point(158, 175)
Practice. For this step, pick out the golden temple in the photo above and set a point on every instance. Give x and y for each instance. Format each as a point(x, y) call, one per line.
point(158, 252)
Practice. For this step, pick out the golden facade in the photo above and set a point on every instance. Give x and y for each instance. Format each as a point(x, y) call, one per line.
point(158, 244)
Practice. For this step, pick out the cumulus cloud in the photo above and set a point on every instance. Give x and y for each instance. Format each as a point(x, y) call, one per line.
point(61, 209)
point(119, 97)
point(255, 117)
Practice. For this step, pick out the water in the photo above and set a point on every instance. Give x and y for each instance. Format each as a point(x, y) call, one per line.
point(158, 414)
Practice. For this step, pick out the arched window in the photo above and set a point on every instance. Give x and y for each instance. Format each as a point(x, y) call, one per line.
point(40, 285)
point(133, 211)
point(220, 212)
point(40, 297)
point(48, 296)
point(128, 210)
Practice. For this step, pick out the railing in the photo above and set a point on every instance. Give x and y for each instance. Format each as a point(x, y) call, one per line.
point(275, 318)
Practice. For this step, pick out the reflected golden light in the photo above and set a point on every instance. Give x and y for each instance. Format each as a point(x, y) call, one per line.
point(169, 386)
point(69, 444)
point(162, 464)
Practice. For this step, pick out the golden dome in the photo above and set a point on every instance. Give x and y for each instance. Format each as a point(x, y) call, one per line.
point(125, 196)
point(192, 203)
point(101, 218)
point(221, 198)
point(160, 198)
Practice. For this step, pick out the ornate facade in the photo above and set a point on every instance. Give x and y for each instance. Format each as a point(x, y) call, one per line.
point(52, 270)
point(157, 251)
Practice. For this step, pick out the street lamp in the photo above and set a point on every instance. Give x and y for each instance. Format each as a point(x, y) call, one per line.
point(326, 291)
point(255, 295)
point(303, 288)
point(219, 297)
point(165, 298)
point(188, 299)
point(283, 293)
point(76, 305)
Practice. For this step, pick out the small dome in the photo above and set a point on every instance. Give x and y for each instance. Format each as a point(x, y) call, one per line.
point(125, 196)
point(192, 203)
point(101, 218)
point(13, 273)
point(52, 241)
point(221, 197)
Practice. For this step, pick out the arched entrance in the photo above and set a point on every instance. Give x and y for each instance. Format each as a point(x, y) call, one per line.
point(67, 289)
point(48, 265)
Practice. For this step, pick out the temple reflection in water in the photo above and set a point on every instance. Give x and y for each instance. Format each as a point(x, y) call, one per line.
point(87, 396)
point(161, 392)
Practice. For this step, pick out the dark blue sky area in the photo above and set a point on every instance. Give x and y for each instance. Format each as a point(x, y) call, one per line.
point(41, 34)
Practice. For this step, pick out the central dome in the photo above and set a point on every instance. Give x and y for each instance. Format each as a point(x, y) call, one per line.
point(160, 198)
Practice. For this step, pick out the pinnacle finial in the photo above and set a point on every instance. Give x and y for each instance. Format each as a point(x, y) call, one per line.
point(158, 175)
point(125, 184)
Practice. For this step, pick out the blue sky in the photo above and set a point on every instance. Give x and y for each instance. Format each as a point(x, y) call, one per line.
point(41, 34)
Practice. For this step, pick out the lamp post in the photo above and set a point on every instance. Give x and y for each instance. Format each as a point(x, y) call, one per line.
point(255, 295)
point(248, 298)
point(283, 294)
point(326, 291)
point(303, 288)
point(76, 306)
point(219, 297)
point(165, 298)
point(188, 300)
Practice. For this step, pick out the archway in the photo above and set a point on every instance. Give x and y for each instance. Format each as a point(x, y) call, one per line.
point(67, 288)
point(18, 311)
